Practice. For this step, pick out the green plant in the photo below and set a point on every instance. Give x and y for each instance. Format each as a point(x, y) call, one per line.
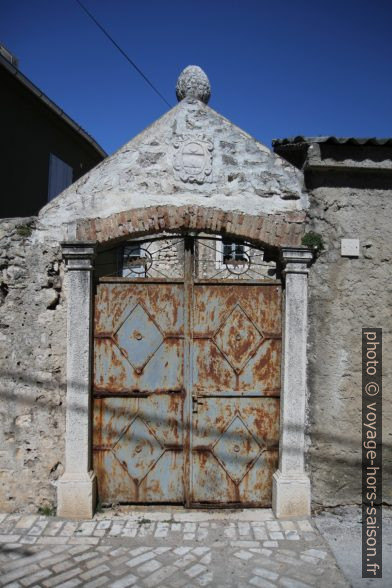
point(143, 521)
point(24, 230)
point(47, 510)
point(313, 241)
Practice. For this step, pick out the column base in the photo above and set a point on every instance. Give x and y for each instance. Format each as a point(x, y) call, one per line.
point(290, 495)
point(76, 495)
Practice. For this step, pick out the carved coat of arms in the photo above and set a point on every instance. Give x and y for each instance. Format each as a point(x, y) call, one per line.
point(193, 159)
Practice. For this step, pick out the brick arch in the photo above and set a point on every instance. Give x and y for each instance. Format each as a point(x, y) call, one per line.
point(282, 229)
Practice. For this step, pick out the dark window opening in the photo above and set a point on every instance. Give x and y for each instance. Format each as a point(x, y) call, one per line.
point(233, 251)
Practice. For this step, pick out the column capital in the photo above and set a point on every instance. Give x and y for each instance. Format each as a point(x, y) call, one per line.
point(296, 260)
point(79, 255)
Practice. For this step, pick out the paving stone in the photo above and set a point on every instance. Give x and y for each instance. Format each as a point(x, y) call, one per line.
point(244, 555)
point(202, 534)
point(262, 551)
point(129, 580)
point(261, 582)
point(185, 560)
point(200, 550)
point(205, 579)
point(86, 529)
point(61, 578)
point(19, 573)
point(85, 556)
point(38, 527)
point(25, 522)
point(86, 540)
point(265, 573)
point(195, 570)
point(103, 548)
point(309, 559)
point(243, 528)
point(291, 535)
point(116, 529)
point(161, 532)
point(129, 532)
point(9, 538)
point(137, 551)
point(102, 581)
point(53, 528)
point(182, 550)
point(206, 559)
point(156, 578)
point(288, 525)
point(273, 526)
point(260, 533)
point(31, 579)
point(291, 583)
point(245, 543)
point(69, 529)
point(276, 535)
point(53, 540)
point(161, 549)
point(104, 525)
point(150, 566)
point(96, 561)
point(26, 540)
point(95, 572)
point(125, 552)
point(24, 561)
point(70, 583)
point(63, 566)
point(139, 559)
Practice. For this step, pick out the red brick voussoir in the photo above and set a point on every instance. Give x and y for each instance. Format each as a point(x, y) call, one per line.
point(282, 229)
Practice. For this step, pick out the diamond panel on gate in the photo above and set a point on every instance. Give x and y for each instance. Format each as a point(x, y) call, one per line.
point(138, 449)
point(236, 449)
point(138, 338)
point(238, 338)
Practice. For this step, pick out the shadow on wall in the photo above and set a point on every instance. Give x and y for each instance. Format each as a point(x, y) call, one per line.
point(343, 442)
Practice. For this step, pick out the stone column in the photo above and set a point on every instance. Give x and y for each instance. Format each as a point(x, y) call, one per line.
point(76, 490)
point(291, 485)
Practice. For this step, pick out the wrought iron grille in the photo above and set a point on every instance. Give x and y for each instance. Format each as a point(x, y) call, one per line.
point(163, 257)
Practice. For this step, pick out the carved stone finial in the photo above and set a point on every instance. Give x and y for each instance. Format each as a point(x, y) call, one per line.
point(193, 82)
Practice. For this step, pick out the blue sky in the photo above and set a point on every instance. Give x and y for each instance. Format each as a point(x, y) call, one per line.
point(276, 68)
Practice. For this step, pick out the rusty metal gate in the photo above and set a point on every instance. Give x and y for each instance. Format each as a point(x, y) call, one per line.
point(186, 387)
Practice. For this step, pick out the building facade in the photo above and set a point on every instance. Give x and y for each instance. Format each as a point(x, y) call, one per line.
point(43, 150)
point(166, 336)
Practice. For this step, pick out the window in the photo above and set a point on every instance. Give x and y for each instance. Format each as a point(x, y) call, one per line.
point(60, 176)
point(133, 261)
point(230, 252)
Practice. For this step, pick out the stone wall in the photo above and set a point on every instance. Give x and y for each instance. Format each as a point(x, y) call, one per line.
point(346, 294)
point(32, 365)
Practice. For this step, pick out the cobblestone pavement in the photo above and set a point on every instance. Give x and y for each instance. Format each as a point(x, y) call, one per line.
point(172, 548)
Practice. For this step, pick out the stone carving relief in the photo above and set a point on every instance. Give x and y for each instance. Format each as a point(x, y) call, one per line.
point(193, 159)
point(193, 83)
